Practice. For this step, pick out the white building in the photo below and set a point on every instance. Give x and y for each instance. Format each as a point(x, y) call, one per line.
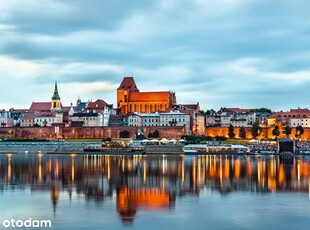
point(244, 119)
point(47, 118)
point(5, 119)
point(93, 118)
point(173, 118)
point(225, 119)
point(304, 122)
point(95, 113)
point(27, 120)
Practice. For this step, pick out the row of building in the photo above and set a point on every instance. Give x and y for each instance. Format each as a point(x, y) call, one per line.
point(134, 108)
point(247, 117)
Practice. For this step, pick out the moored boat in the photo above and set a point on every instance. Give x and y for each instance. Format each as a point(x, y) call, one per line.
point(220, 149)
point(114, 148)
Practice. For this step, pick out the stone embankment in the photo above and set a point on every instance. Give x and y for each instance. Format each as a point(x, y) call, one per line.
point(36, 147)
point(77, 148)
point(164, 149)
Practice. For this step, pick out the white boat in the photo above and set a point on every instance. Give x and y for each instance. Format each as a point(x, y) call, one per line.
point(220, 149)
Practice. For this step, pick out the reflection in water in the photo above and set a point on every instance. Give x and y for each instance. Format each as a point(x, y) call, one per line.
point(151, 182)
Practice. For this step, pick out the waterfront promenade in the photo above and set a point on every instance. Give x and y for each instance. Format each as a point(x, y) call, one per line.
point(77, 148)
point(73, 147)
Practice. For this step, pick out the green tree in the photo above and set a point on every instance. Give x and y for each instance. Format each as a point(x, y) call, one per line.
point(256, 130)
point(261, 110)
point(231, 132)
point(299, 131)
point(36, 125)
point(242, 133)
point(287, 130)
point(207, 112)
point(276, 131)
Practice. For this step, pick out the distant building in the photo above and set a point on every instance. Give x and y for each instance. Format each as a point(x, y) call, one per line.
point(172, 118)
point(16, 115)
point(95, 113)
point(46, 119)
point(118, 120)
point(130, 99)
point(285, 117)
point(56, 103)
point(197, 120)
point(27, 120)
point(304, 122)
point(53, 105)
point(5, 119)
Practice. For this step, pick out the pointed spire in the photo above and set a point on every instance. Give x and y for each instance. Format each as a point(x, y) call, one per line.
point(56, 95)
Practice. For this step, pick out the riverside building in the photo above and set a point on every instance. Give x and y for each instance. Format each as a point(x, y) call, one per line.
point(130, 99)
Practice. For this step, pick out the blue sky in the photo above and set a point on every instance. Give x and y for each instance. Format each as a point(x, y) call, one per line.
point(223, 53)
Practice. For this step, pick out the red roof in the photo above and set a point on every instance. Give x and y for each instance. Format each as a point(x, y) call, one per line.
point(28, 116)
point(149, 96)
point(45, 114)
point(40, 106)
point(293, 113)
point(67, 108)
point(192, 106)
point(98, 104)
point(128, 83)
point(233, 110)
point(238, 110)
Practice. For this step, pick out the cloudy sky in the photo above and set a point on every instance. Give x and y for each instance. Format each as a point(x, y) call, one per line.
point(232, 53)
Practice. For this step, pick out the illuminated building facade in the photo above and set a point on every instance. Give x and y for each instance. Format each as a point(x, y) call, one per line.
point(130, 99)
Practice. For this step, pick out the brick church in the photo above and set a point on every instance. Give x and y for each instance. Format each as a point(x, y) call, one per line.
point(130, 99)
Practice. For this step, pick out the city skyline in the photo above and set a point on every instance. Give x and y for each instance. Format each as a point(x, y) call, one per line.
point(220, 54)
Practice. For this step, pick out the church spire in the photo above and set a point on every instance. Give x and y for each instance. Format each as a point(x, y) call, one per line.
point(56, 95)
point(56, 104)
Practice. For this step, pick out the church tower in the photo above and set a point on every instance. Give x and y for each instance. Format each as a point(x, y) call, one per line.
point(56, 104)
point(127, 86)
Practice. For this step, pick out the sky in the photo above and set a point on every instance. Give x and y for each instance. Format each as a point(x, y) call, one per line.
point(220, 53)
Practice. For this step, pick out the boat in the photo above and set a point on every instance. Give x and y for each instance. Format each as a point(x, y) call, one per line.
point(114, 148)
point(217, 149)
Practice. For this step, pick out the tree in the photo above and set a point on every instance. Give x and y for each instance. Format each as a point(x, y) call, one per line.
point(261, 110)
point(208, 112)
point(287, 131)
point(242, 133)
point(256, 130)
point(276, 131)
point(36, 125)
point(231, 132)
point(299, 131)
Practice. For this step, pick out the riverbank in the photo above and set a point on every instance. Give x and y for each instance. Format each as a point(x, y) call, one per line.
point(74, 148)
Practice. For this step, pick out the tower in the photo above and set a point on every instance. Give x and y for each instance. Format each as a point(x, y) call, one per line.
point(56, 104)
point(127, 86)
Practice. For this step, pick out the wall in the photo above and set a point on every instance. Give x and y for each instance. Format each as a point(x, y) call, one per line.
point(88, 132)
point(265, 133)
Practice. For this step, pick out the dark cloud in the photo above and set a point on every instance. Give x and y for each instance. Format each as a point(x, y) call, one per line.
point(62, 17)
point(233, 53)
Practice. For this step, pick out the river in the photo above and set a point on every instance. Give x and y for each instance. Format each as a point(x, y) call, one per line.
point(156, 192)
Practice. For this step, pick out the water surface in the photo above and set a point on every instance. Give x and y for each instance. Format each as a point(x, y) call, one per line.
point(156, 192)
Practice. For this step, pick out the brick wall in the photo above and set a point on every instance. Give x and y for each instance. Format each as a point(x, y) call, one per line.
point(88, 132)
